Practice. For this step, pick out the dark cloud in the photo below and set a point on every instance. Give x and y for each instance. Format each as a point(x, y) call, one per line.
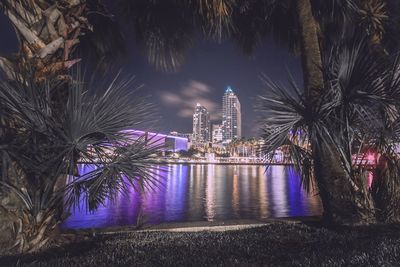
point(186, 98)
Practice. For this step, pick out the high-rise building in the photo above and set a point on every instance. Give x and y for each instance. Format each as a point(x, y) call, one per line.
point(216, 136)
point(201, 125)
point(231, 116)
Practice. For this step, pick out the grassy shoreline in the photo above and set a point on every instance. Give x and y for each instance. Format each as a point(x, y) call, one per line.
point(274, 244)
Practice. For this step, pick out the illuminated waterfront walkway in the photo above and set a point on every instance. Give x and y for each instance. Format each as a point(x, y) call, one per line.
point(225, 160)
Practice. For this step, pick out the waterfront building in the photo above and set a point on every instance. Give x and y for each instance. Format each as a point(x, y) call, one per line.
point(163, 141)
point(201, 125)
point(231, 116)
point(188, 136)
point(185, 135)
point(216, 136)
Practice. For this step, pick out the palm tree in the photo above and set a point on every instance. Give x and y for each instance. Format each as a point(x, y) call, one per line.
point(294, 22)
point(315, 25)
point(339, 126)
point(371, 17)
point(385, 187)
point(43, 146)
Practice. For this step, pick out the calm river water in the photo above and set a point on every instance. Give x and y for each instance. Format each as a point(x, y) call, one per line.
point(207, 193)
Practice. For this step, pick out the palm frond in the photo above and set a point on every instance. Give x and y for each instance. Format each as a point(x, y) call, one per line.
point(214, 16)
point(351, 107)
point(104, 43)
point(373, 16)
point(49, 141)
point(254, 21)
point(163, 28)
point(391, 34)
point(129, 166)
point(290, 120)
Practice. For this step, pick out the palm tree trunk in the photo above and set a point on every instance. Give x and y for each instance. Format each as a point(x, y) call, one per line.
point(345, 197)
point(32, 233)
point(344, 201)
point(385, 189)
point(311, 52)
point(47, 33)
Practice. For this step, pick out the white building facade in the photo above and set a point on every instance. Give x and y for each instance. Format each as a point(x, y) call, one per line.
point(201, 125)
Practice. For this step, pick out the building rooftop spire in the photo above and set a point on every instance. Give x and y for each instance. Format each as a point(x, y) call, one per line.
point(228, 89)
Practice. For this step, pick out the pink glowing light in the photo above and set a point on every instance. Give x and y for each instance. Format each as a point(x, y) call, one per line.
point(371, 158)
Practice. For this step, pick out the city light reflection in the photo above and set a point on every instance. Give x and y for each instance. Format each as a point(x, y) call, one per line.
point(206, 192)
point(210, 194)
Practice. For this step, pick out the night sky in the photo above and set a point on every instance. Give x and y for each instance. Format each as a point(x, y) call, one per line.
point(209, 68)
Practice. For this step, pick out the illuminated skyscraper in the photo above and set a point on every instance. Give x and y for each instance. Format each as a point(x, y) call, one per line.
point(231, 116)
point(201, 125)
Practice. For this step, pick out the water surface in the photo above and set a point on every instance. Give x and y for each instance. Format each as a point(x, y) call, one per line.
point(207, 193)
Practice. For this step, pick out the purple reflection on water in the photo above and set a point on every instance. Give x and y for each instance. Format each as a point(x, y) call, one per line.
point(296, 196)
point(206, 193)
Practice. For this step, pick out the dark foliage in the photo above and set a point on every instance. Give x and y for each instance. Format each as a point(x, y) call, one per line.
point(44, 141)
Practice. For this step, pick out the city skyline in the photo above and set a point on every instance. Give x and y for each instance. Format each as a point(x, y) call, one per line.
point(222, 131)
point(209, 70)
